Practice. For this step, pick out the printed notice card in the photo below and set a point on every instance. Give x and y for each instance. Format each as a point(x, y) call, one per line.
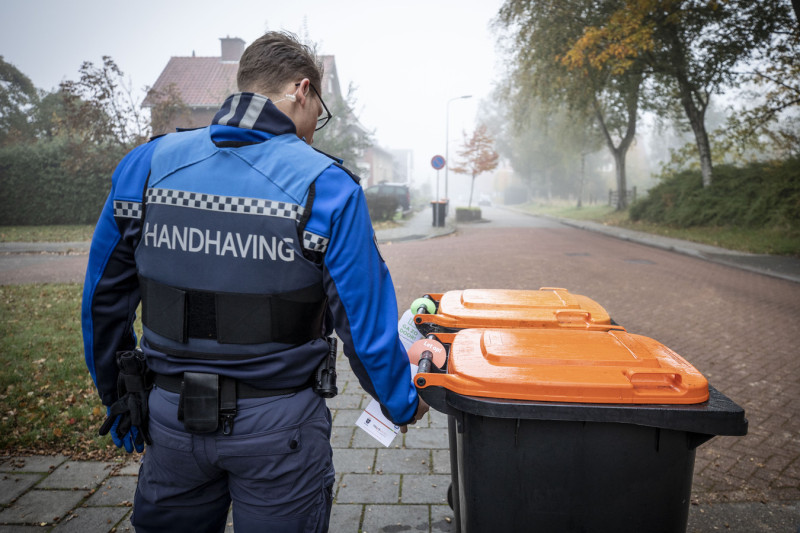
point(378, 426)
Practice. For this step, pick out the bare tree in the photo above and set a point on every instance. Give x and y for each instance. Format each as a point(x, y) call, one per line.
point(100, 107)
point(168, 109)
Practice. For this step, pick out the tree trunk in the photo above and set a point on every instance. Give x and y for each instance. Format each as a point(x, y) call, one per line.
point(580, 185)
point(696, 115)
point(622, 185)
point(621, 151)
point(471, 188)
point(694, 105)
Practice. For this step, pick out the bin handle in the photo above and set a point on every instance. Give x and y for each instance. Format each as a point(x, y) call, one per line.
point(573, 317)
point(436, 378)
point(425, 362)
point(667, 382)
point(437, 319)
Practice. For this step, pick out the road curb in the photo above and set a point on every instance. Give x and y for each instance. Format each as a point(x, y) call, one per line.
point(785, 268)
point(45, 247)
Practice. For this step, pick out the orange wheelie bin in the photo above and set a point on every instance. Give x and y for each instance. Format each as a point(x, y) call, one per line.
point(563, 429)
point(548, 307)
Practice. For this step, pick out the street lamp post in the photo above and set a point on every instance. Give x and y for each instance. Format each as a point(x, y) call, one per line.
point(447, 145)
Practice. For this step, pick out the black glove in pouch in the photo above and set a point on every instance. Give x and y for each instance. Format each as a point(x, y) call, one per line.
point(198, 407)
point(133, 388)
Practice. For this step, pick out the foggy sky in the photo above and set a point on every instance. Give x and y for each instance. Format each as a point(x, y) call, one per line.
point(407, 59)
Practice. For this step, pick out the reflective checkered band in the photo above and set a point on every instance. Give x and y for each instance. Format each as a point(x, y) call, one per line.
point(228, 204)
point(314, 242)
point(127, 209)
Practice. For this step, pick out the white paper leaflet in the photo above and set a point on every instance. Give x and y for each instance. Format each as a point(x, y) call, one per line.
point(378, 426)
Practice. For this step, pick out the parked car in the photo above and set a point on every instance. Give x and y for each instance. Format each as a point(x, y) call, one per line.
point(398, 191)
point(485, 200)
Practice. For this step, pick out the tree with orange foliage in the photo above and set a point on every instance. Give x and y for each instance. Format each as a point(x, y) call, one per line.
point(541, 35)
point(692, 49)
point(477, 156)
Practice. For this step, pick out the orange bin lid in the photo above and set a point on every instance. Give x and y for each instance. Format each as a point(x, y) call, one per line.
point(561, 365)
point(500, 308)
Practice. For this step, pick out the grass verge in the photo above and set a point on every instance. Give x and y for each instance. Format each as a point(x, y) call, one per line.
point(767, 240)
point(79, 233)
point(48, 402)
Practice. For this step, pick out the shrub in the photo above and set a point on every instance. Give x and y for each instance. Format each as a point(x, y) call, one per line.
point(382, 207)
point(55, 182)
point(468, 214)
point(758, 195)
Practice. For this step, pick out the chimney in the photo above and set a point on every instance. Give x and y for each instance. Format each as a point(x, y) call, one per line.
point(232, 48)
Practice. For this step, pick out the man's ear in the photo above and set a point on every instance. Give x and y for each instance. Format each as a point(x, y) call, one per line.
point(303, 91)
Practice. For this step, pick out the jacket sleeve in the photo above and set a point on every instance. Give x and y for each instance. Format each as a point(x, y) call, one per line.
point(111, 288)
point(361, 298)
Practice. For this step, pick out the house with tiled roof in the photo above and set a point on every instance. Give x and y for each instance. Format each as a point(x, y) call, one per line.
point(203, 83)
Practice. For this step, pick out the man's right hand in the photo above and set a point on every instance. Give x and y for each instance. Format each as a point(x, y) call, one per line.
point(422, 408)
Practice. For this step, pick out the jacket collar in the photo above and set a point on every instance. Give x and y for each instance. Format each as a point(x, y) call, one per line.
point(254, 112)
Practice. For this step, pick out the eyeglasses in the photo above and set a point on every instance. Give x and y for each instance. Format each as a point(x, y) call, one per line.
point(323, 120)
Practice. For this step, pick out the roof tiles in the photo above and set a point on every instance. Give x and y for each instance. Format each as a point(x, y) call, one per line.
point(207, 81)
point(202, 81)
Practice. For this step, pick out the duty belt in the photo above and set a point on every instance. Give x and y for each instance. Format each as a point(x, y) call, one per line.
point(174, 383)
point(210, 399)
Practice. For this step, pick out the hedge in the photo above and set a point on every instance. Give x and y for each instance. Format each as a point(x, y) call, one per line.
point(53, 182)
point(758, 195)
point(382, 207)
point(468, 214)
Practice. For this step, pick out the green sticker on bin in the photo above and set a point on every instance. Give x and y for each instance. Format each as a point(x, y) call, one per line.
point(430, 307)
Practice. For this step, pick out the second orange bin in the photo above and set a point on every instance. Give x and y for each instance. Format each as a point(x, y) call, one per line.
point(549, 307)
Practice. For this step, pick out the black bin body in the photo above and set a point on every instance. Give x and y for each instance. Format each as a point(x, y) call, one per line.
point(439, 213)
point(523, 466)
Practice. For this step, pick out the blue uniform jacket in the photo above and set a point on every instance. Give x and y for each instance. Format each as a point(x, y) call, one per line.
point(362, 307)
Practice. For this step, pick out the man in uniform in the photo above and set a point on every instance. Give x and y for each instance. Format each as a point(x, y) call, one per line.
point(247, 248)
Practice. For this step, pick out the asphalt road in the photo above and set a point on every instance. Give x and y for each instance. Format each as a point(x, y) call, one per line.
point(42, 267)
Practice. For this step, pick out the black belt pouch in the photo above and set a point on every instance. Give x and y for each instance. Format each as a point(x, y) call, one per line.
point(199, 403)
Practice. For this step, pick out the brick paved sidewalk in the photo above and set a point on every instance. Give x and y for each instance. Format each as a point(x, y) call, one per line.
point(399, 488)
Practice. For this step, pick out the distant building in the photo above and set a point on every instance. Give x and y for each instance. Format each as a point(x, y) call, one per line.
point(332, 92)
point(379, 166)
point(402, 169)
point(330, 79)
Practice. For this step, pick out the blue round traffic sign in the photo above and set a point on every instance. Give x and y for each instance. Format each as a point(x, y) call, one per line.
point(437, 162)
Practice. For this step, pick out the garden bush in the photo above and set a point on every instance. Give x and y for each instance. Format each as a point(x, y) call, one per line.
point(468, 214)
point(382, 207)
point(55, 182)
point(758, 195)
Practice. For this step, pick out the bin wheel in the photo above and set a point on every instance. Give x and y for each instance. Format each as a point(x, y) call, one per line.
point(450, 496)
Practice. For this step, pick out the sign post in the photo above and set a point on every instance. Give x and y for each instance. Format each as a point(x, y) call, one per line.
point(438, 163)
